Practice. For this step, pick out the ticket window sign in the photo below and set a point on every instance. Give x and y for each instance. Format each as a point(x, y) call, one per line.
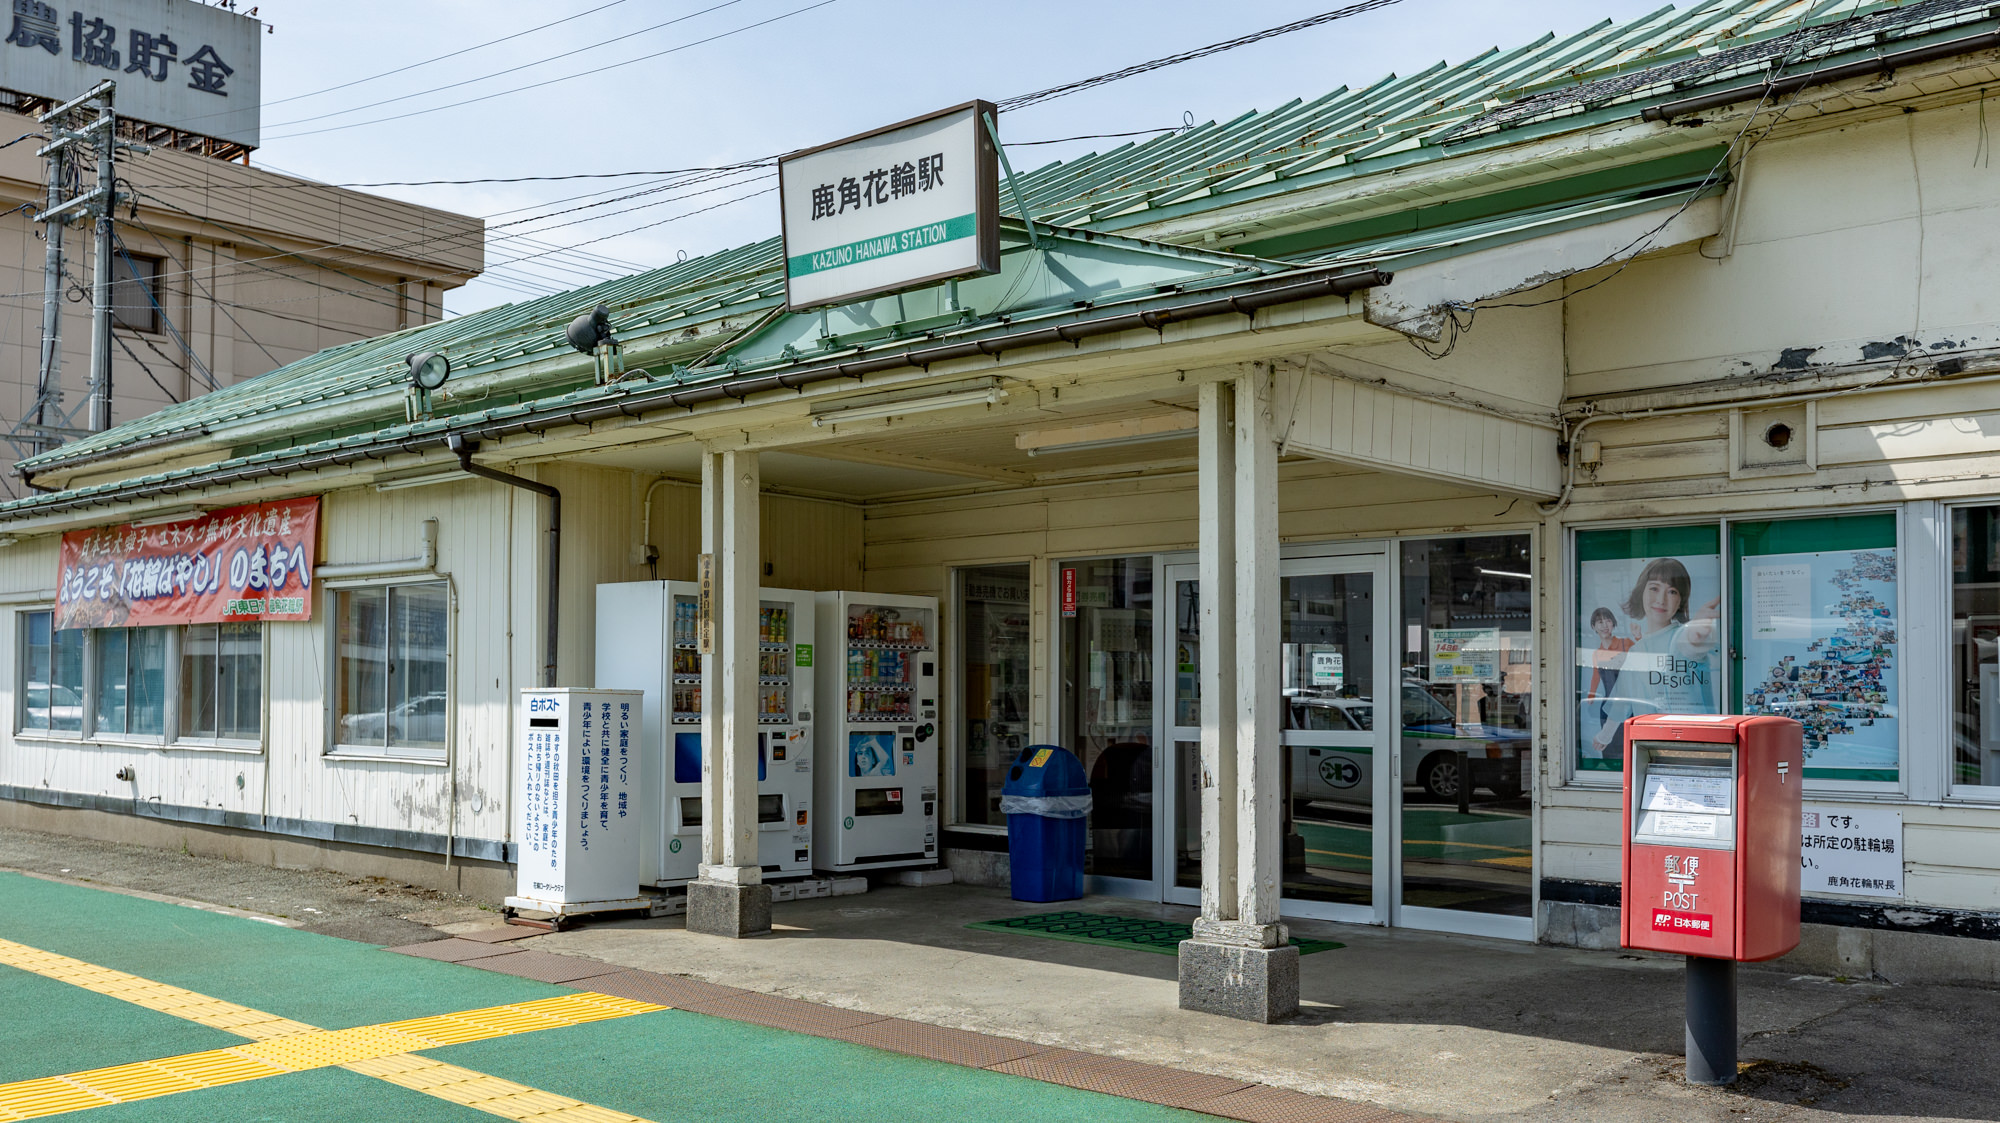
point(1712, 835)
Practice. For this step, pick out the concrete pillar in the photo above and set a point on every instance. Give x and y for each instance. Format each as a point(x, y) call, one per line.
point(728, 896)
point(1239, 962)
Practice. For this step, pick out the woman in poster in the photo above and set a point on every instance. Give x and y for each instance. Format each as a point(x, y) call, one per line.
point(1666, 670)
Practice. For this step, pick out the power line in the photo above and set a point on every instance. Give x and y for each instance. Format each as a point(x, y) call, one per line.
point(563, 78)
point(441, 58)
point(1067, 88)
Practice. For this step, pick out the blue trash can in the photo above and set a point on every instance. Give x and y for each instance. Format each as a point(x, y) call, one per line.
point(1045, 800)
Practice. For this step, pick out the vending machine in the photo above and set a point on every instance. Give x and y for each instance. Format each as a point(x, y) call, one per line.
point(648, 639)
point(878, 709)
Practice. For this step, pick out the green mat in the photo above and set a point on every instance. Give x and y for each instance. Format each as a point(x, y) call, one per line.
point(1163, 936)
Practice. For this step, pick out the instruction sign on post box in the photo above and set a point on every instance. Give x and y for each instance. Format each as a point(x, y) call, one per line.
point(1711, 858)
point(578, 776)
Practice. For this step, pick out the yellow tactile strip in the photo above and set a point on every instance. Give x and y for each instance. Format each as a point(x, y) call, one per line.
point(282, 1046)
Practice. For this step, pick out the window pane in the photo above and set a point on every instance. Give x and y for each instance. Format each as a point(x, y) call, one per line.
point(1467, 735)
point(993, 665)
point(134, 289)
point(66, 692)
point(360, 673)
point(198, 656)
point(417, 666)
point(1815, 607)
point(35, 670)
point(146, 680)
point(111, 645)
point(1975, 645)
point(1647, 632)
point(240, 682)
point(1107, 708)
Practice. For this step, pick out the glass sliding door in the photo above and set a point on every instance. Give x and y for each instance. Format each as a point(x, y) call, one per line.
point(1467, 767)
point(1106, 713)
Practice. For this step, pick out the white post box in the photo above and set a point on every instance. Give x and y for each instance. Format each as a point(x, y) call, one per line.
point(577, 788)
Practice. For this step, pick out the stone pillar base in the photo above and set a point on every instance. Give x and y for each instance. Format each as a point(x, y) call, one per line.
point(718, 908)
point(1254, 984)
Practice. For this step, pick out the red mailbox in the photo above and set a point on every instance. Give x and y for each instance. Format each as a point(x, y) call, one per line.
point(1712, 835)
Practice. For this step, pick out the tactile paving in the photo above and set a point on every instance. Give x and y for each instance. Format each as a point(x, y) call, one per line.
point(953, 1046)
point(1116, 1076)
point(782, 1013)
point(454, 950)
point(651, 986)
point(545, 967)
point(1260, 1103)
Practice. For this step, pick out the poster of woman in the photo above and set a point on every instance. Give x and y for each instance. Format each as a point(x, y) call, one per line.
point(1648, 641)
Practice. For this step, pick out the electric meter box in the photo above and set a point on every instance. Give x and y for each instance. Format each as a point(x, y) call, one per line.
point(1711, 854)
point(649, 639)
point(579, 777)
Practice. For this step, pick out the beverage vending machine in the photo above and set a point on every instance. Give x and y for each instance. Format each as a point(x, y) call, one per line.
point(648, 639)
point(878, 708)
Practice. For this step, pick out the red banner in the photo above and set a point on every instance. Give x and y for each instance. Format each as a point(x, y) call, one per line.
point(239, 563)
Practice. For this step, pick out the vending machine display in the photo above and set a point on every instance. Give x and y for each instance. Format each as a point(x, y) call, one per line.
point(649, 638)
point(877, 786)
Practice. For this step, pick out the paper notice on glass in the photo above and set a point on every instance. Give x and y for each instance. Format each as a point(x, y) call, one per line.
point(1670, 792)
point(1683, 826)
point(1781, 601)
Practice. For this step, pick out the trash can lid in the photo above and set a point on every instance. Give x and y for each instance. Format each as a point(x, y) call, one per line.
point(1046, 770)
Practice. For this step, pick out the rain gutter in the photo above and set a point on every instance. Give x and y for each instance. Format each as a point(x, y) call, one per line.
point(1866, 68)
point(648, 400)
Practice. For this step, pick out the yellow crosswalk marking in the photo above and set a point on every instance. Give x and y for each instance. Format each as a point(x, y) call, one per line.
point(280, 1046)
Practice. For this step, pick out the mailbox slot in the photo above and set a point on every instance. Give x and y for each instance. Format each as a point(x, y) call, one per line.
point(1684, 794)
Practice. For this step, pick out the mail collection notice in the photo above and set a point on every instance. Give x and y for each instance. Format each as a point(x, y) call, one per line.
point(238, 563)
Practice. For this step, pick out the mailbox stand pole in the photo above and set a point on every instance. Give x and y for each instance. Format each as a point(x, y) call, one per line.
point(1711, 1020)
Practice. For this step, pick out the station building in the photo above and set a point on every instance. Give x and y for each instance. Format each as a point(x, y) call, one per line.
point(1332, 481)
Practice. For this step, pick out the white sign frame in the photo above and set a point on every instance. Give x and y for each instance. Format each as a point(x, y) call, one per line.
point(167, 91)
point(962, 256)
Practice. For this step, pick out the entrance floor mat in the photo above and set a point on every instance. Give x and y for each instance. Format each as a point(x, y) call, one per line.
point(1163, 936)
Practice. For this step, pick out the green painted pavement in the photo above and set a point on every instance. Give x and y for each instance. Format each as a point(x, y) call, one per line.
point(671, 1064)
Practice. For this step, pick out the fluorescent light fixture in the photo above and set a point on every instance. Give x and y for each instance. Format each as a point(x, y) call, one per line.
point(177, 515)
point(1108, 434)
point(991, 395)
point(421, 479)
point(1485, 572)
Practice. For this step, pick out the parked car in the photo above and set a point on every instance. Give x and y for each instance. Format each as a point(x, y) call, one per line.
point(1432, 740)
point(419, 720)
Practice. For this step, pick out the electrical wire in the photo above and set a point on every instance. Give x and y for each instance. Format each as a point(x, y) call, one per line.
point(1023, 101)
point(567, 77)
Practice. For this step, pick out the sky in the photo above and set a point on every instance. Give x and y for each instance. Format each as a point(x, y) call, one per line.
point(739, 80)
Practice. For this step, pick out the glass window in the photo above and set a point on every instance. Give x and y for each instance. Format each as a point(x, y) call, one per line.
point(1816, 615)
point(1106, 634)
point(1648, 638)
point(135, 287)
point(222, 676)
point(992, 615)
point(390, 688)
point(131, 681)
point(1468, 724)
point(51, 675)
point(1975, 646)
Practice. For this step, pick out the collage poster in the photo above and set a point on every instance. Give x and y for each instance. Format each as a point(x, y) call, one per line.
point(1819, 645)
point(1649, 637)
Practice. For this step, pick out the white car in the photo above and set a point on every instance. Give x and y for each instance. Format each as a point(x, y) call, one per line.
point(1432, 741)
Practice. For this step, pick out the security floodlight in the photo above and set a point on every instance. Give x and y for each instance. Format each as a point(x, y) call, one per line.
point(429, 369)
point(592, 328)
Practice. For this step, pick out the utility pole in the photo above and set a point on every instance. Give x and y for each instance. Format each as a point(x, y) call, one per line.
point(101, 133)
point(106, 127)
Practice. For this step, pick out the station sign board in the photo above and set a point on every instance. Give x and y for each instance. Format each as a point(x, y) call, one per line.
point(177, 63)
point(902, 206)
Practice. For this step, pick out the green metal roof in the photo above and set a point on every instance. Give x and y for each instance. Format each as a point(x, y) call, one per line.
point(1610, 71)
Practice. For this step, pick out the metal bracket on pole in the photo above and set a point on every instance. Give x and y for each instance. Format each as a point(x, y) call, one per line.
point(1013, 185)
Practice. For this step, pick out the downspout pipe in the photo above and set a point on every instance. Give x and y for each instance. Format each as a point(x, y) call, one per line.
point(464, 450)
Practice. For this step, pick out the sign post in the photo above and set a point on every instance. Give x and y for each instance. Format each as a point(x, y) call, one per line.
point(893, 209)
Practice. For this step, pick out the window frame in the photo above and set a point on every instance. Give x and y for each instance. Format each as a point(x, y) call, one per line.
point(1911, 633)
point(337, 749)
point(125, 278)
point(1944, 605)
point(169, 736)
